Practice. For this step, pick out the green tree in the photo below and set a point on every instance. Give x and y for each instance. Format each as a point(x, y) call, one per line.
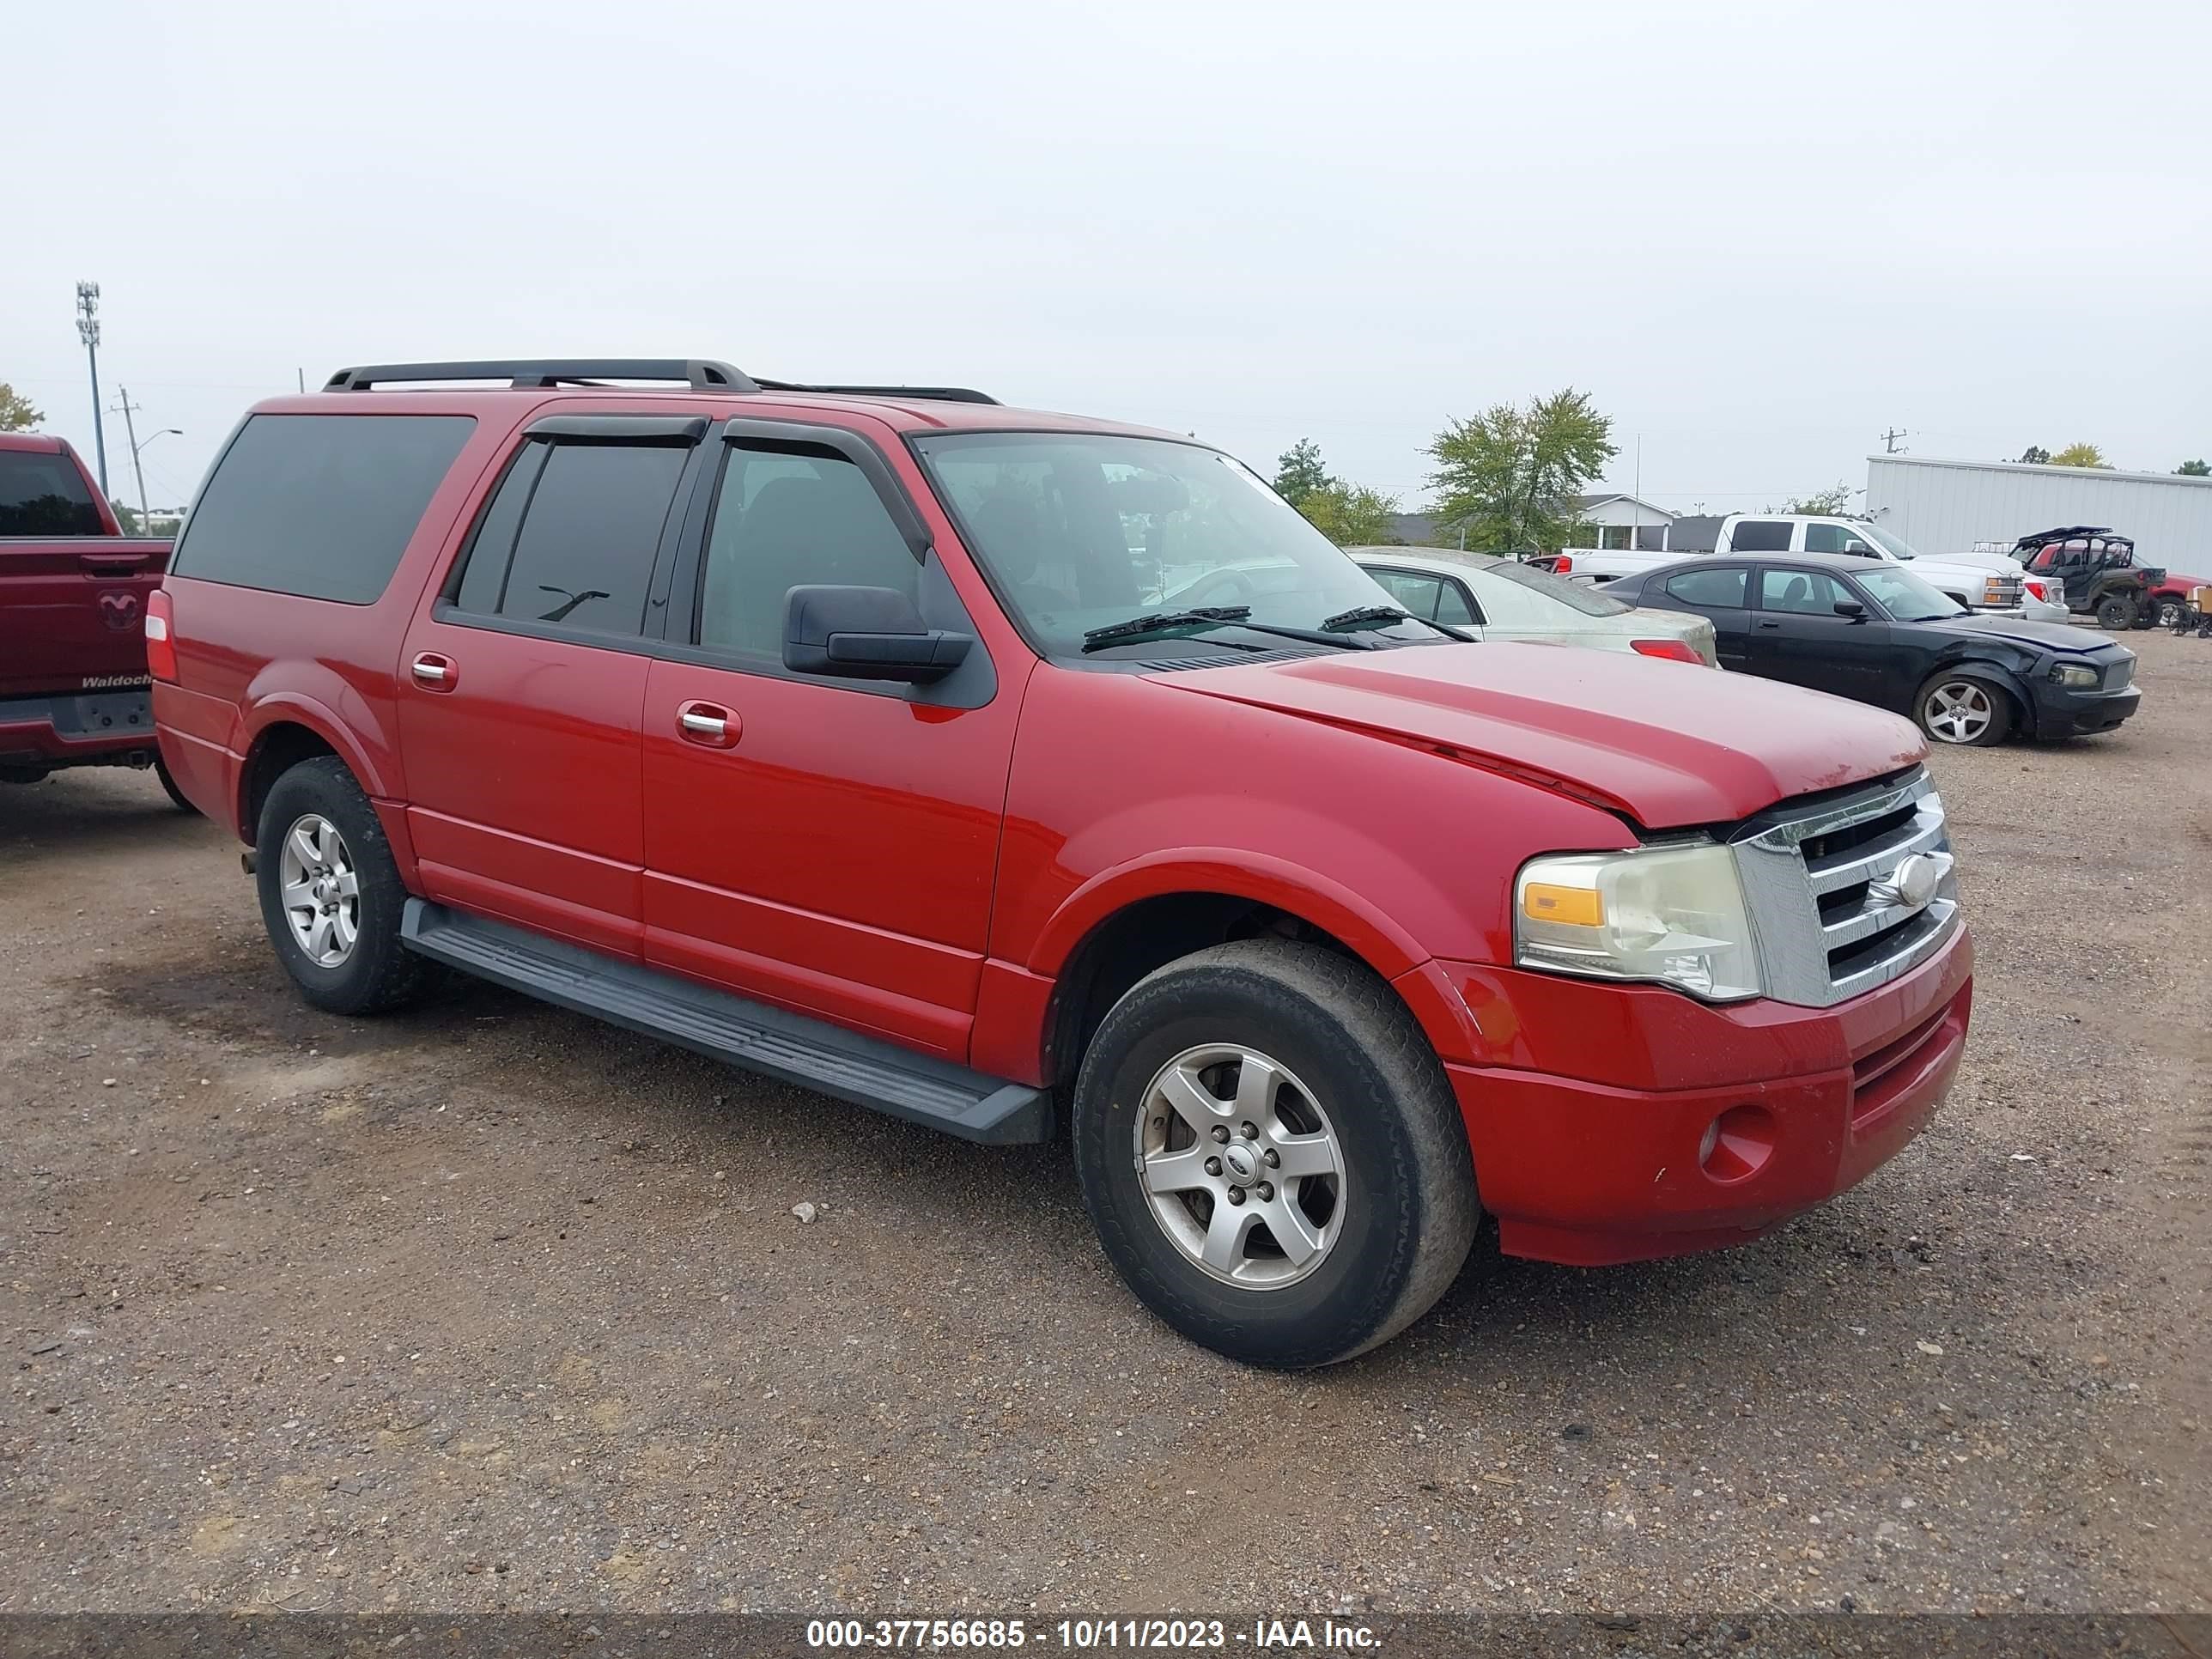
point(2035, 455)
point(1349, 514)
point(2195, 470)
point(1827, 504)
point(1299, 472)
point(16, 414)
point(1507, 477)
point(2080, 455)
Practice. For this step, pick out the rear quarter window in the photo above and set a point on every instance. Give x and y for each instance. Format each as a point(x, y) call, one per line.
point(321, 505)
point(1761, 536)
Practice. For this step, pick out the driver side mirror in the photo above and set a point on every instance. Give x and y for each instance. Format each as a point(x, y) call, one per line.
point(866, 634)
point(1850, 610)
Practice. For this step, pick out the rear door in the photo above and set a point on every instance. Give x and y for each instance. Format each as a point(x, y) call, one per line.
point(520, 690)
point(1798, 635)
point(1720, 594)
point(827, 845)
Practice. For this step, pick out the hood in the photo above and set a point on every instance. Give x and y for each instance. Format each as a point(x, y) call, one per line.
point(2003, 563)
point(1666, 744)
point(2054, 637)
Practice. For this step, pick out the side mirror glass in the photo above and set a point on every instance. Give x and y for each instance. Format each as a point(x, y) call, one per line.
point(866, 634)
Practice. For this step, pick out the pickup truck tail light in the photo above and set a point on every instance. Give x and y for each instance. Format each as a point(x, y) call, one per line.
point(1562, 564)
point(161, 648)
point(1672, 650)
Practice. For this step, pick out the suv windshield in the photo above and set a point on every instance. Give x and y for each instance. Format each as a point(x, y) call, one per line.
point(1081, 531)
point(1905, 597)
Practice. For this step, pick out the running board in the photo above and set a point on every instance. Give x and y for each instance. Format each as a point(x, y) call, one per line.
point(812, 1052)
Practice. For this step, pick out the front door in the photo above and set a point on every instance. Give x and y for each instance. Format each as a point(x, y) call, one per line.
point(827, 845)
point(1797, 635)
point(521, 693)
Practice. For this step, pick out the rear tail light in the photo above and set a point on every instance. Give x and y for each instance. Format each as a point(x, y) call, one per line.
point(2035, 588)
point(1561, 565)
point(160, 646)
point(1672, 650)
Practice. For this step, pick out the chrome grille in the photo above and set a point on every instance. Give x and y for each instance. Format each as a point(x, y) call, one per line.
point(2118, 676)
point(1836, 908)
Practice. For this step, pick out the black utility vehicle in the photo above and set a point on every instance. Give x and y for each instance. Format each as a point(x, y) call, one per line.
point(2098, 571)
point(1879, 635)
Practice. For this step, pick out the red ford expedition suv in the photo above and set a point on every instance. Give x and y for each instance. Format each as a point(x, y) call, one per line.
point(1011, 772)
point(73, 593)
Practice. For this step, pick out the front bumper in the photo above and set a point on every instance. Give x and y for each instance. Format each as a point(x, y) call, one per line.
point(1590, 1130)
point(2063, 714)
point(91, 728)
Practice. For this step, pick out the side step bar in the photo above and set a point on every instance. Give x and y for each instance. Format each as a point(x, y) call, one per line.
point(812, 1052)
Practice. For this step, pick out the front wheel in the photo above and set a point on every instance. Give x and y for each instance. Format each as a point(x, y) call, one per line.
point(1960, 709)
point(1272, 1154)
point(2117, 612)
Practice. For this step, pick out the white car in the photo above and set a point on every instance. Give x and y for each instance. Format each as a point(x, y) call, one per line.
point(1980, 581)
point(1495, 598)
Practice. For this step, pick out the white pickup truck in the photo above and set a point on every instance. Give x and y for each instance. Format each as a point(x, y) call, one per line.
point(1981, 581)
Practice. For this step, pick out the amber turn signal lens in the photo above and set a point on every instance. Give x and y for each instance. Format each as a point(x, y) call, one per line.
point(1545, 901)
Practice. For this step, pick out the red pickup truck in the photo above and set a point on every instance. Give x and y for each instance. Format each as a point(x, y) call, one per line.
point(870, 738)
point(73, 590)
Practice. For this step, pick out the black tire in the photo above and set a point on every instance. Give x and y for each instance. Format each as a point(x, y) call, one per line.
point(169, 786)
point(1407, 1191)
point(1994, 729)
point(378, 973)
point(2117, 612)
point(2147, 614)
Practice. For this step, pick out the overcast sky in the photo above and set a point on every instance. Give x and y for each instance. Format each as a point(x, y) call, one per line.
point(1759, 234)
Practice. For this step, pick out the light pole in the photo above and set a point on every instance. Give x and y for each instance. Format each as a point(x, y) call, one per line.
point(88, 329)
point(137, 445)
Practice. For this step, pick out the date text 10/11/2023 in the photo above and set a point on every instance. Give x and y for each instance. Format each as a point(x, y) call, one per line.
point(1156, 1635)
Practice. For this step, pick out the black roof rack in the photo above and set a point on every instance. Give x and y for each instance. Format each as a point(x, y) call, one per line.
point(700, 373)
point(936, 394)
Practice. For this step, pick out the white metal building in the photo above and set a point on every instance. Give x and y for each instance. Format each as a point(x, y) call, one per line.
point(1946, 506)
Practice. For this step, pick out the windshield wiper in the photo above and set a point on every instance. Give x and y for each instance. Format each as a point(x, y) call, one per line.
point(1196, 616)
point(1360, 615)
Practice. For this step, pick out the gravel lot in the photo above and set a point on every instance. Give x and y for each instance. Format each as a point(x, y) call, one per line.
point(487, 1306)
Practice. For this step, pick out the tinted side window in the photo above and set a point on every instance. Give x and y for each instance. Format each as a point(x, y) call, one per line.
point(1761, 536)
point(1723, 587)
point(1835, 538)
point(44, 494)
point(1453, 609)
point(319, 505)
point(584, 524)
point(785, 516)
point(1801, 593)
point(1419, 594)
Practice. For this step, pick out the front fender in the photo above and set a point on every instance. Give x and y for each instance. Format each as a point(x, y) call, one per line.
point(1380, 940)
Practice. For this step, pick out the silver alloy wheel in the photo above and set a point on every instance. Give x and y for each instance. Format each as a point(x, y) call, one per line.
point(1241, 1166)
point(320, 890)
point(1958, 711)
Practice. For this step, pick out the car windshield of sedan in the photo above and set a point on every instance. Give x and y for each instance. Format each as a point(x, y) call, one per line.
point(1080, 532)
point(1905, 597)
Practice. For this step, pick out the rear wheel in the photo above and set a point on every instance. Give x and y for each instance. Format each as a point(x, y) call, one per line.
point(2116, 611)
point(169, 786)
point(331, 896)
point(1272, 1155)
point(2171, 612)
point(1960, 709)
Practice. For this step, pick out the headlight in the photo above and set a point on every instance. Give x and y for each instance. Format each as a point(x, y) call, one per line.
point(1672, 914)
point(2073, 673)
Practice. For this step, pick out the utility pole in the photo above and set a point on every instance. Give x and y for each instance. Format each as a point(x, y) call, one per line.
point(1889, 438)
point(87, 328)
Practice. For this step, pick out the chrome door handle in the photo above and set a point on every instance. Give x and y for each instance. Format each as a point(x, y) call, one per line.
point(705, 725)
point(434, 672)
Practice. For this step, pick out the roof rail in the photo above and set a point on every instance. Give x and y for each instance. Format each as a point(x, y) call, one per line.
point(936, 394)
point(701, 373)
